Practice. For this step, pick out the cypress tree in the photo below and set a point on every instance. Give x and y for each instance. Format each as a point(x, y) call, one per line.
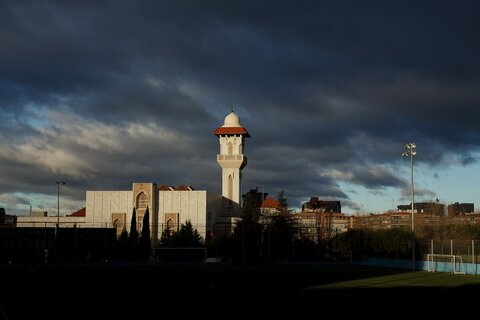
point(144, 244)
point(282, 201)
point(133, 232)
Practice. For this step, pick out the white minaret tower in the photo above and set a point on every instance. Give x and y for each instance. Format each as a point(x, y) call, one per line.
point(231, 158)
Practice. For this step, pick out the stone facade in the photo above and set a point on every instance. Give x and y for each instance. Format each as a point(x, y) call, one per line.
point(100, 205)
point(167, 209)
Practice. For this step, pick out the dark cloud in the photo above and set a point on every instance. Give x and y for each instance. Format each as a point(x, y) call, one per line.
point(121, 91)
point(424, 195)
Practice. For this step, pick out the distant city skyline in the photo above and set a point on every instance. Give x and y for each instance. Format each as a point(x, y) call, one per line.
point(101, 95)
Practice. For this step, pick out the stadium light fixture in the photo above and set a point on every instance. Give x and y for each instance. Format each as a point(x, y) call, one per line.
point(410, 152)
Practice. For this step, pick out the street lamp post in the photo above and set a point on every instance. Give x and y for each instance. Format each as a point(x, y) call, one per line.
point(410, 152)
point(58, 202)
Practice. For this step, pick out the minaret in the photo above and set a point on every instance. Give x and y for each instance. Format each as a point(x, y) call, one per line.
point(231, 158)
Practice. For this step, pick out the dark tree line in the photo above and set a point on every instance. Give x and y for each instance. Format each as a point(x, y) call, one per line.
point(186, 236)
point(362, 243)
point(257, 238)
point(264, 239)
point(180, 246)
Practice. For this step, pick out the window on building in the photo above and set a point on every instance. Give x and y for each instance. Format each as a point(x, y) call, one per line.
point(142, 201)
point(171, 224)
point(117, 224)
point(230, 187)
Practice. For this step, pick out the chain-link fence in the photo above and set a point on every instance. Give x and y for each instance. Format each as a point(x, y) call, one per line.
point(468, 250)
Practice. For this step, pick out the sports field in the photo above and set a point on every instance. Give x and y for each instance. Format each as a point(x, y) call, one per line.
point(405, 279)
point(227, 292)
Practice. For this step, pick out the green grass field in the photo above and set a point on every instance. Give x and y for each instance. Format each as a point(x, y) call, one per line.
point(226, 292)
point(407, 279)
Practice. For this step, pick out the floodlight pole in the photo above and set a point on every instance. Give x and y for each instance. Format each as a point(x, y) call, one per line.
point(411, 151)
point(58, 203)
point(413, 212)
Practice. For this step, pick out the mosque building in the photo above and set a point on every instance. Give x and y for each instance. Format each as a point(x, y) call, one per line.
point(169, 206)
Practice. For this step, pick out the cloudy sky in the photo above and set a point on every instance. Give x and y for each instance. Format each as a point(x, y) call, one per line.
point(101, 94)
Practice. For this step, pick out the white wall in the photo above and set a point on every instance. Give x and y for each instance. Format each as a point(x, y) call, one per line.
point(101, 204)
point(190, 205)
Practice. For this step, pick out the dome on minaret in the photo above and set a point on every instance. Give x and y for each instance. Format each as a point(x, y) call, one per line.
point(232, 120)
point(232, 127)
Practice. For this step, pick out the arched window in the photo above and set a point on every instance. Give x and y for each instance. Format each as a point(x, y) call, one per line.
point(117, 224)
point(171, 224)
point(230, 148)
point(230, 187)
point(142, 201)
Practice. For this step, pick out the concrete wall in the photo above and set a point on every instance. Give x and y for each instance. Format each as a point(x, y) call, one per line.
point(187, 205)
point(202, 209)
point(101, 204)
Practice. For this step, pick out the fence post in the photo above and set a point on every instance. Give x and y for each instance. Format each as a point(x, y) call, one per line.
point(451, 252)
point(474, 263)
